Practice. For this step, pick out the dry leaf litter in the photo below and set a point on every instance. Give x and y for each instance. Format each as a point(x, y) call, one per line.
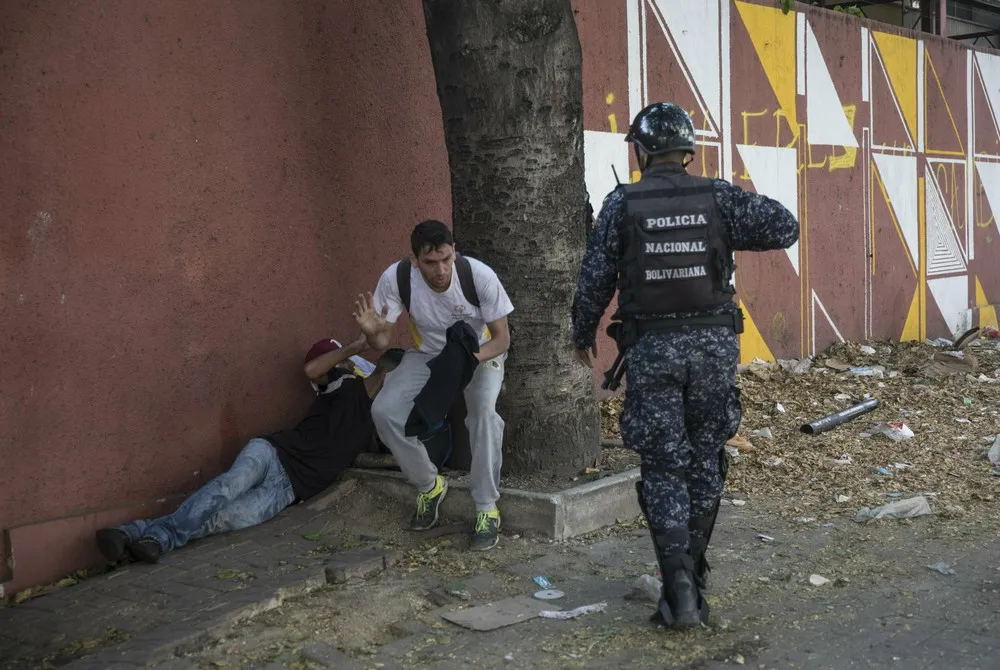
point(947, 397)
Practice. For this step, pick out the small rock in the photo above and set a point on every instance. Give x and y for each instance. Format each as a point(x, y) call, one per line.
point(818, 580)
point(738, 659)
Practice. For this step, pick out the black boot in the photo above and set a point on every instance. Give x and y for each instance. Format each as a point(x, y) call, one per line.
point(681, 604)
point(701, 530)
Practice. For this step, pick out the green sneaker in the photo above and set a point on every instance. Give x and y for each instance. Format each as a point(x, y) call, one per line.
point(426, 516)
point(487, 532)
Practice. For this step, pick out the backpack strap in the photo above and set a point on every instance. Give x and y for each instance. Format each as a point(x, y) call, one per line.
point(403, 281)
point(467, 281)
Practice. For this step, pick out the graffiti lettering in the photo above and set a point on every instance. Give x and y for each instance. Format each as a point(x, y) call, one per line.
point(785, 128)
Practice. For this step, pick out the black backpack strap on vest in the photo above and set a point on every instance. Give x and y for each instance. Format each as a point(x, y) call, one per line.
point(465, 279)
point(403, 281)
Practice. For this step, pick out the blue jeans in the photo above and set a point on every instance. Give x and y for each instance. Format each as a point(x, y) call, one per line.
point(254, 490)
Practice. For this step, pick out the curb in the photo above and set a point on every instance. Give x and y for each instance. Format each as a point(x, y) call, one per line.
point(558, 516)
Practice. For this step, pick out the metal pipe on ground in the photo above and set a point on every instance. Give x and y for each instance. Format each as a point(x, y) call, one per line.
point(833, 420)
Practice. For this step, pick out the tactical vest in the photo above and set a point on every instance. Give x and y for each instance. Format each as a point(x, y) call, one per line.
point(674, 256)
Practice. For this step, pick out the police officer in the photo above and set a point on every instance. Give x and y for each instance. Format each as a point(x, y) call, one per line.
point(666, 243)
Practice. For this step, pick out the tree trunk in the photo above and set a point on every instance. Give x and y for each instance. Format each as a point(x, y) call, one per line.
point(509, 78)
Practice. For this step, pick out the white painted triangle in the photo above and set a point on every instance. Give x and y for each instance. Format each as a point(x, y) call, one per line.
point(989, 176)
point(948, 257)
point(899, 175)
point(694, 27)
point(774, 173)
point(828, 125)
point(989, 73)
point(951, 294)
point(604, 155)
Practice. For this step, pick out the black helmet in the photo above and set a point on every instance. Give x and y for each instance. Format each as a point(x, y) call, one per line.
point(662, 127)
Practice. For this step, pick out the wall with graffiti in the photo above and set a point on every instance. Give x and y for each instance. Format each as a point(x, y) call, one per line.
point(885, 143)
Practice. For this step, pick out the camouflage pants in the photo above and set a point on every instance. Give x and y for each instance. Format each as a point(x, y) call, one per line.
point(681, 405)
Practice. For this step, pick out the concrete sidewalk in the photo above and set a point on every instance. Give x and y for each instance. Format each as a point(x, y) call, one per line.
point(140, 614)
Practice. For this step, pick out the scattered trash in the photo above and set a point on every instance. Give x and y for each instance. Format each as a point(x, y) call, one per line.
point(496, 615)
point(818, 580)
point(865, 349)
point(869, 371)
point(894, 431)
point(797, 367)
point(961, 419)
point(828, 524)
point(732, 451)
point(837, 365)
point(805, 519)
point(900, 466)
point(780, 408)
point(741, 444)
point(882, 471)
point(763, 432)
point(841, 498)
point(574, 613)
point(773, 462)
point(939, 342)
point(739, 503)
point(900, 509)
point(991, 333)
point(508, 657)
point(942, 567)
point(994, 453)
point(844, 459)
point(765, 538)
point(549, 594)
point(739, 660)
point(646, 587)
point(966, 401)
point(842, 397)
point(843, 416)
point(542, 582)
point(591, 471)
point(960, 355)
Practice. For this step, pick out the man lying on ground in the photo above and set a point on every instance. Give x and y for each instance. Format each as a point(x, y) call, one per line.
point(275, 471)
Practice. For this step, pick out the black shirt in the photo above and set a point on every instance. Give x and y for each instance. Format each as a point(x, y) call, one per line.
point(337, 428)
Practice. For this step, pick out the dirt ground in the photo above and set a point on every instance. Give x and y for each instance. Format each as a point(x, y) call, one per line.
point(765, 610)
point(787, 519)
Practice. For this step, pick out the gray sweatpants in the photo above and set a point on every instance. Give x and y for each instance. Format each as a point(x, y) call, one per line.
point(393, 404)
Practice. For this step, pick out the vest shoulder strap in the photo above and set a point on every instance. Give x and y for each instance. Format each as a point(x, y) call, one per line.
point(465, 279)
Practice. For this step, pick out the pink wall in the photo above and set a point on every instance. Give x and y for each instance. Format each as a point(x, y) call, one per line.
point(192, 193)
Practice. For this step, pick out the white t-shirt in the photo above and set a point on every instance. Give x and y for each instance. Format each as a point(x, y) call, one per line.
point(432, 313)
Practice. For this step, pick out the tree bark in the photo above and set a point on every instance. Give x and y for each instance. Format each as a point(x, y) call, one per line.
point(509, 78)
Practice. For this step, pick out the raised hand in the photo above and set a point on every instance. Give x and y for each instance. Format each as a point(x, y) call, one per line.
point(369, 320)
